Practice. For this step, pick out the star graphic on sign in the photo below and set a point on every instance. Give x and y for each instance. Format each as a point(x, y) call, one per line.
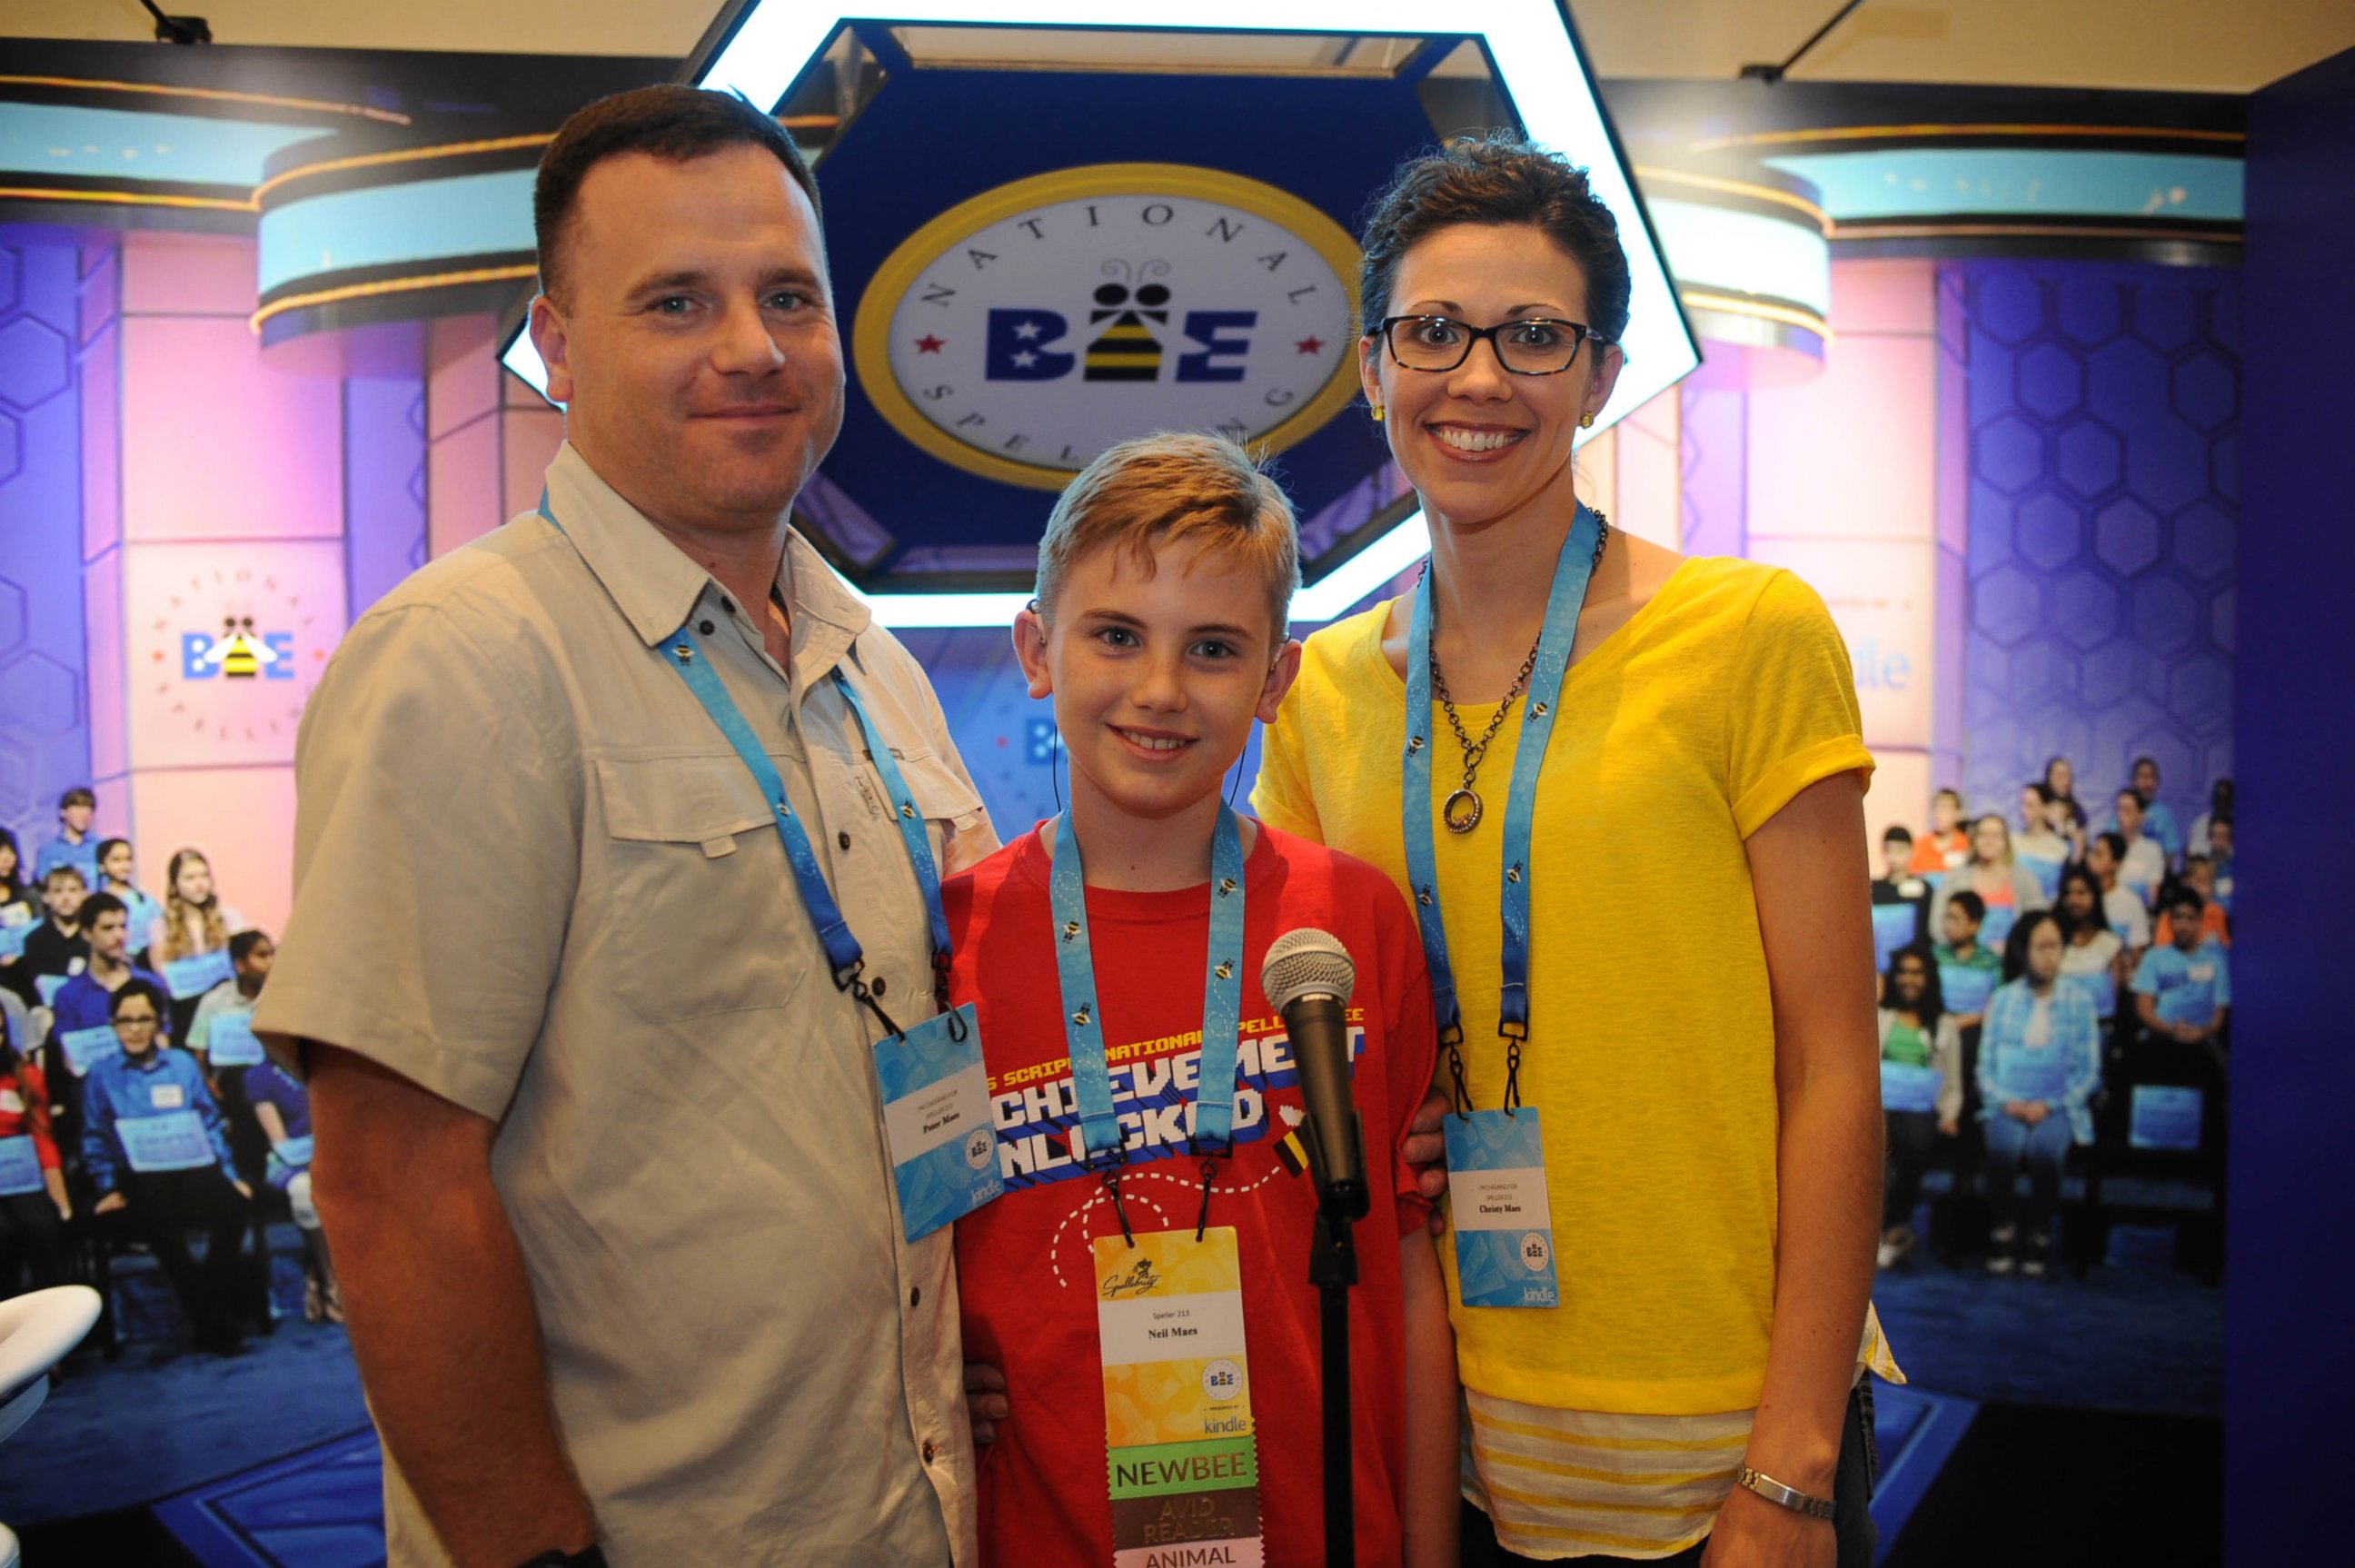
point(1026, 330)
point(1025, 359)
point(1310, 345)
point(928, 343)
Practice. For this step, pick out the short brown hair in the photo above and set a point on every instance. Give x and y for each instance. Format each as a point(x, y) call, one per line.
point(670, 121)
point(1168, 488)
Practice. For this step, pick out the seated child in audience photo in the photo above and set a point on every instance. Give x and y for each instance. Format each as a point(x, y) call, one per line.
point(2200, 876)
point(2039, 1063)
point(1969, 970)
point(118, 873)
point(72, 845)
point(1160, 633)
point(1921, 1089)
point(83, 1030)
point(1946, 845)
point(2006, 889)
point(1900, 898)
point(2038, 848)
point(56, 950)
point(34, 1206)
point(2184, 990)
point(2142, 862)
point(20, 909)
point(2092, 956)
point(2128, 915)
point(156, 1151)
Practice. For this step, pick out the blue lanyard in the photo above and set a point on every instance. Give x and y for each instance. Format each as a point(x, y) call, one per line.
point(1572, 571)
point(1222, 989)
point(685, 653)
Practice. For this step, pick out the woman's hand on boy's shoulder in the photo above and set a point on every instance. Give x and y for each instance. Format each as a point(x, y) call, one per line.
point(1426, 1150)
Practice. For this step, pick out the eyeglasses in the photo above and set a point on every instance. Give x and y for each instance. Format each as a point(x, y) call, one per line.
point(1532, 346)
point(133, 1020)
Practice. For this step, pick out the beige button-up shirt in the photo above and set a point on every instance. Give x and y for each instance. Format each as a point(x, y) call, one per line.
point(532, 876)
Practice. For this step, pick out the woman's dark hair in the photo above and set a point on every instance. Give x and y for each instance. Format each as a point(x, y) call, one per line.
point(13, 886)
point(672, 122)
point(1933, 1005)
point(10, 1057)
point(2099, 920)
point(1496, 179)
point(2015, 947)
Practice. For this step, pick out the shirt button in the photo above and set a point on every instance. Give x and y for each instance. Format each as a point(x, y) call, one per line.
point(930, 1449)
point(916, 1296)
point(843, 839)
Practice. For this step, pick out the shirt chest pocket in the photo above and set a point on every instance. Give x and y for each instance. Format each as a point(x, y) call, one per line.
point(700, 914)
point(947, 803)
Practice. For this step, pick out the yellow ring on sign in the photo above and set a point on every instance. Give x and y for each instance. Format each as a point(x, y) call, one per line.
point(871, 326)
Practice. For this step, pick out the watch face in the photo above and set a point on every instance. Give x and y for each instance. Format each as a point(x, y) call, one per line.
point(1022, 332)
point(225, 643)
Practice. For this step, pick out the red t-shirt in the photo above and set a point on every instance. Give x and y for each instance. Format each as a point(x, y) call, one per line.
point(1024, 1265)
point(24, 1108)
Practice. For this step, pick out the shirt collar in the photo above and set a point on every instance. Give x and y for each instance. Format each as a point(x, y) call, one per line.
point(655, 583)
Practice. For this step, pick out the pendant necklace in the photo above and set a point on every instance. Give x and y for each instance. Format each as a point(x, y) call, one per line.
point(1462, 809)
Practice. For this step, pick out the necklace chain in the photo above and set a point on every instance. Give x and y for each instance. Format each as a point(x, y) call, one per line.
point(1475, 751)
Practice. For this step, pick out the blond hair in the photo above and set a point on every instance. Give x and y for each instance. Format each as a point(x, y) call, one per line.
point(1169, 488)
point(177, 910)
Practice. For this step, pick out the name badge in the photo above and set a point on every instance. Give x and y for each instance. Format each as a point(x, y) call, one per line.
point(1177, 1418)
point(47, 987)
point(2164, 1116)
point(86, 1048)
point(936, 1121)
point(20, 917)
point(187, 978)
point(12, 1103)
point(167, 1098)
point(20, 1166)
point(12, 941)
point(1503, 1224)
point(173, 1141)
point(1998, 925)
point(1893, 926)
point(2201, 973)
point(1908, 1088)
point(234, 1043)
point(1966, 990)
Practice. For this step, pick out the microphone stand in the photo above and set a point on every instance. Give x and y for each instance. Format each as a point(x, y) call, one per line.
point(1333, 1269)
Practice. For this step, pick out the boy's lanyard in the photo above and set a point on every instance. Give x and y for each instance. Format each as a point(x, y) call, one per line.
point(683, 651)
point(1572, 569)
point(1099, 1131)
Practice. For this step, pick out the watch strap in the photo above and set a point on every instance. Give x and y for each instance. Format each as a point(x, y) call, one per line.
point(1781, 1496)
point(590, 1556)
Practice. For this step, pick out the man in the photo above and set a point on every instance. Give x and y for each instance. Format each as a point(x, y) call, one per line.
point(2157, 820)
point(2142, 866)
point(599, 1146)
point(2183, 990)
point(2128, 915)
point(82, 1028)
point(73, 845)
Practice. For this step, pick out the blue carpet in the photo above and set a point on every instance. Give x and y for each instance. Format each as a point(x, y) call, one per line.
point(320, 1508)
point(1916, 1432)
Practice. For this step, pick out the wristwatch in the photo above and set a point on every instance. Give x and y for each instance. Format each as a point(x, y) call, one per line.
point(589, 1556)
point(1781, 1496)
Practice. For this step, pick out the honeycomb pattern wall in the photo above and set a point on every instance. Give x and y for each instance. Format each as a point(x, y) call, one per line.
point(44, 720)
point(2105, 492)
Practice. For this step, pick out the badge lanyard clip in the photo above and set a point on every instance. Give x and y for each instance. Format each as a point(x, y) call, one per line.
point(1573, 570)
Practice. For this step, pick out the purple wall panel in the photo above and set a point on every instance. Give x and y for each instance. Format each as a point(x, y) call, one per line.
point(384, 484)
point(2103, 500)
point(44, 724)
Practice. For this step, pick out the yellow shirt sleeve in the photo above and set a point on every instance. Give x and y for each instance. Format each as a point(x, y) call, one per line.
point(1794, 720)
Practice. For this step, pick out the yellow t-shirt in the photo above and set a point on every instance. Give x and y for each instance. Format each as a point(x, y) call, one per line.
point(1651, 1050)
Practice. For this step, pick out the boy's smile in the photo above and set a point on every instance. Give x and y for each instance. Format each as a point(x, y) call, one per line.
point(1156, 680)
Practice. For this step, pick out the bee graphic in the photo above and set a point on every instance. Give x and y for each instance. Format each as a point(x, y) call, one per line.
point(1139, 1279)
point(240, 654)
point(1127, 350)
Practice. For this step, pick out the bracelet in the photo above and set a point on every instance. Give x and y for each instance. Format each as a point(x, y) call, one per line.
point(1781, 1496)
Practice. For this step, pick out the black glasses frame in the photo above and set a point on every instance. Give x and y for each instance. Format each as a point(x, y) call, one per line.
point(1581, 335)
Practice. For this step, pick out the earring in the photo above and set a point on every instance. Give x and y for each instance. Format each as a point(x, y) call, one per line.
point(1586, 421)
point(1377, 413)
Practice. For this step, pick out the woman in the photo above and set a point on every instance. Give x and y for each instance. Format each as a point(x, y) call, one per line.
point(19, 911)
point(2060, 778)
point(2092, 956)
point(2040, 1063)
point(1921, 1089)
point(2041, 848)
point(189, 946)
point(1731, 946)
point(117, 874)
point(33, 1202)
point(2008, 888)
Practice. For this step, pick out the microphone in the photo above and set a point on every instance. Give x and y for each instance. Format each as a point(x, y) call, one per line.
point(1307, 976)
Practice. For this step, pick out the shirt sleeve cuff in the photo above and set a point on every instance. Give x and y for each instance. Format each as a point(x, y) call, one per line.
point(1782, 784)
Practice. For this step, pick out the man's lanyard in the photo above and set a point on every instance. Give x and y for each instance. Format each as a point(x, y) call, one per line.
point(1572, 569)
point(684, 652)
point(1099, 1130)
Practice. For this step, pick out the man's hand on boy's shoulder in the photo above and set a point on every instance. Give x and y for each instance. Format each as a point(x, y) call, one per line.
point(1426, 1150)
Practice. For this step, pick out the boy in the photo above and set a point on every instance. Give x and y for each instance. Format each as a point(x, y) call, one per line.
point(1967, 973)
point(2143, 865)
point(2157, 820)
point(2127, 915)
point(83, 1030)
point(2183, 989)
point(2200, 876)
point(58, 948)
point(1158, 631)
point(73, 845)
point(1946, 846)
point(1899, 898)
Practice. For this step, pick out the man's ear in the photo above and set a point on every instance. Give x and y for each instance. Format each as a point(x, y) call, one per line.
point(1030, 651)
point(549, 338)
point(1280, 674)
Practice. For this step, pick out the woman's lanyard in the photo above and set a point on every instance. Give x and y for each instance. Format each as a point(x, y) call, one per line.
point(684, 652)
point(1572, 569)
point(1099, 1130)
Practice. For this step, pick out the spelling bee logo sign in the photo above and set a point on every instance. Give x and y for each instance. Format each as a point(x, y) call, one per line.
point(1020, 334)
point(238, 652)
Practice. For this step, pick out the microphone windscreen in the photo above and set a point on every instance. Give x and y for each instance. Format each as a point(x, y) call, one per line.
point(1305, 963)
